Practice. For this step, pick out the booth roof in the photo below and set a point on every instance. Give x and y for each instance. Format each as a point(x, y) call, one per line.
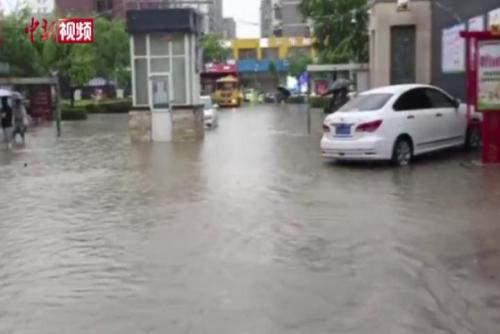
point(185, 20)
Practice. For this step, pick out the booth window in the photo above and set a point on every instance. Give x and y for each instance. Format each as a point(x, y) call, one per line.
point(141, 82)
point(178, 46)
point(179, 77)
point(159, 44)
point(160, 54)
point(160, 65)
point(140, 45)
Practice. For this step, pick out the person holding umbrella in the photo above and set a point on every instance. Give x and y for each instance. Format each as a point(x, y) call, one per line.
point(340, 95)
point(6, 121)
point(20, 117)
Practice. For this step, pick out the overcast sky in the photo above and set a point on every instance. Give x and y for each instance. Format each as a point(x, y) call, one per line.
point(244, 12)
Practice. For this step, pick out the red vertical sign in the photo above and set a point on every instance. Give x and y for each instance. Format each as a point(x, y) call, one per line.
point(41, 103)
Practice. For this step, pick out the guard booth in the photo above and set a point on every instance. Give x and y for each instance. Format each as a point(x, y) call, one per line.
point(483, 87)
point(166, 66)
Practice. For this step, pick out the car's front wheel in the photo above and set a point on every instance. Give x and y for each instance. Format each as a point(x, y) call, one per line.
point(473, 138)
point(403, 152)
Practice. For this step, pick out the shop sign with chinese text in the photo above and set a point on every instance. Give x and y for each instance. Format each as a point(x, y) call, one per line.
point(489, 76)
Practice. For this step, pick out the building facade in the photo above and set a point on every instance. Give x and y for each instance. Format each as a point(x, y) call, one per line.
point(211, 10)
point(283, 18)
point(228, 28)
point(421, 43)
point(472, 15)
point(394, 36)
point(262, 63)
point(41, 6)
point(293, 22)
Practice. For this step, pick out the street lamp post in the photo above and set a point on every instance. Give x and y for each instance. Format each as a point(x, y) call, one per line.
point(55, 75)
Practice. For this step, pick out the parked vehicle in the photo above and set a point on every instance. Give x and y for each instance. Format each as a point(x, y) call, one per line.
point(270, 98)
point(227, 93)
point(248, 95)
point(210, 114)
point(397, 123)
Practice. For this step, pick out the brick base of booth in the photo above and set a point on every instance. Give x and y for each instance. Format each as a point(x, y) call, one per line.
point(139, 126)
point(187, 123)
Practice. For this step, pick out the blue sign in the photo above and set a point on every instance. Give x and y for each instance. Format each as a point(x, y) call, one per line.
point(260, 66)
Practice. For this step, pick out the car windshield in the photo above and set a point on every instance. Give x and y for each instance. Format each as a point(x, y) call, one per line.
point(366, 102)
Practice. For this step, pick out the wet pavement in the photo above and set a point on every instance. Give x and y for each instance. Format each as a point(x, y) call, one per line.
point(248, 232)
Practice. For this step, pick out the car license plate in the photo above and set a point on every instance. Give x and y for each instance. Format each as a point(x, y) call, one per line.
point(343, 130)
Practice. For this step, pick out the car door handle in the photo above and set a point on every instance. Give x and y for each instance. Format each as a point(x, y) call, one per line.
point(439, 115)
point(411, 117)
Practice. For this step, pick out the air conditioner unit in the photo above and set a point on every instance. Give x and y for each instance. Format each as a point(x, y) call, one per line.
point(403, 5)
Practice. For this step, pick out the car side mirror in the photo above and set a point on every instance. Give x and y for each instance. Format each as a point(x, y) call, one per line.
point(457, 103)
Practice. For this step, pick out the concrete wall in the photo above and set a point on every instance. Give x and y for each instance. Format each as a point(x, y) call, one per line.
point(384, 15)
point(443, 19)
point(187, 124)
point(139, 125)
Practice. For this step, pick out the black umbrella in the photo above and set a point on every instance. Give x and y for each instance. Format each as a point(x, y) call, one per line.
point(340, 84)
point(284, 91)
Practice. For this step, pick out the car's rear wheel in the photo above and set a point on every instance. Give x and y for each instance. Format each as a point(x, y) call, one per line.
point(403, 152)
point(473, 138)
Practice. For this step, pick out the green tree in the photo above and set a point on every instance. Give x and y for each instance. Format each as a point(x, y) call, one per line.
point(17, 50)
point(213, 50)
point(340, 28)
point(273, 70)
point(80, 69)
point(111, 49)
point(297, 65)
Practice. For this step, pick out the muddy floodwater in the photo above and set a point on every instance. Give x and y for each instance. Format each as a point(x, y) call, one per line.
point(249, 232)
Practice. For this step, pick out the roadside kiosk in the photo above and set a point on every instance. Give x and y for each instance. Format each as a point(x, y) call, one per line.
point(166, 65)
point(483, 87)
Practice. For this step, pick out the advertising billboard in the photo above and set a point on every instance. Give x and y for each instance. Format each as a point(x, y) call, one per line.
point(489, 76)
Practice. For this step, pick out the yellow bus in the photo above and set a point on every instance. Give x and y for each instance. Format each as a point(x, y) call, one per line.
point(227, 93)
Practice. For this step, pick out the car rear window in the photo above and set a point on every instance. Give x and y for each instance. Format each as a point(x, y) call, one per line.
point(366, 102)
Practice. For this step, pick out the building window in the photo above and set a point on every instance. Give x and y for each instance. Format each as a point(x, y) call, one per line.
point(270, 53)
point(102, 5)
point(247, 54)
point(277, 13)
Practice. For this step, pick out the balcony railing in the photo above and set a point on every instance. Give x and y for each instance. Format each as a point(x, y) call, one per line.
point(166, 4)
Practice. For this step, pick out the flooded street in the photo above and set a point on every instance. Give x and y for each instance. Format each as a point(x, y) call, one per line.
point(248, 232)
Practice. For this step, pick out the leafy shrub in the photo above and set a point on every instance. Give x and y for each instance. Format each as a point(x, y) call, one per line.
point(319, 102)
point(73, 114)
point(110, 107)
point(295, 99)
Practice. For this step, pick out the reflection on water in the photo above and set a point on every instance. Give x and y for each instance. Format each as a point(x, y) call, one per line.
point(248, 232)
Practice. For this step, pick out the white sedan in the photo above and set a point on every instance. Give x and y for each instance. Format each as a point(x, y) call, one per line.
point(397, 123)
point(210, 114)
